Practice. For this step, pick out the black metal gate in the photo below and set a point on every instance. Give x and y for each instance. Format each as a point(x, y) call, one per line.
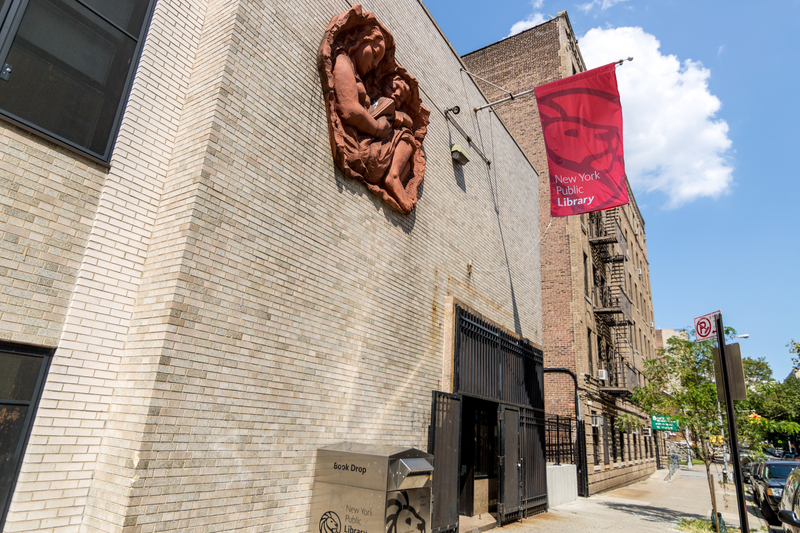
point(534, 482)
point(581, 459)
point(509, 481)
point(444, 442)
point(495, 365)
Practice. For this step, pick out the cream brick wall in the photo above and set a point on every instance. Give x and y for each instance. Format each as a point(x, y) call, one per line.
point(94, 312)
point(241, 303)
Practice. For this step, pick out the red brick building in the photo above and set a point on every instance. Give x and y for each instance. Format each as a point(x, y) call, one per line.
point(596, 295)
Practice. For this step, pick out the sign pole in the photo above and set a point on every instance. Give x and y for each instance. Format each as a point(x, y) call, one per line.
point(734, 438)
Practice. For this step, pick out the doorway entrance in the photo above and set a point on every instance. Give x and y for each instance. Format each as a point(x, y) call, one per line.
point(478, 472)
point(496, 415)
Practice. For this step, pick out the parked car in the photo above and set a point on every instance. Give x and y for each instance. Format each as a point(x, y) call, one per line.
point(768, 483)
point(747, 465)
point(789, 508)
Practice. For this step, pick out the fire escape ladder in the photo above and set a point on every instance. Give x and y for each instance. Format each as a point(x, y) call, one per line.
point(612, 305)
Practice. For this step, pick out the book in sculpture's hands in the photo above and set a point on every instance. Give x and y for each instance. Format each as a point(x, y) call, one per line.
point(382, 106)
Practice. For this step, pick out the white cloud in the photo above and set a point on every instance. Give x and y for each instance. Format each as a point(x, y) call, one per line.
point(602, 4)
point(534, 19)
point(674, 142)
point(537, 3)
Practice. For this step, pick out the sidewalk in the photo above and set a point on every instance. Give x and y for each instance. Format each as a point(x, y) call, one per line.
point(648, 506)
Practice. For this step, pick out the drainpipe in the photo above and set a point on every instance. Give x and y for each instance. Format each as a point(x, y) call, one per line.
point(563, 370)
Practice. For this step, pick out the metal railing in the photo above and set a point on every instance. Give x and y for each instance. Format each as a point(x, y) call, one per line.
point(621, 373)
point(565, 442)
point(559, 439)
point(612, 298)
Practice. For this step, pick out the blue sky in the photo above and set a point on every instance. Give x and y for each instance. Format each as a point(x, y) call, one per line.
point(712, 129)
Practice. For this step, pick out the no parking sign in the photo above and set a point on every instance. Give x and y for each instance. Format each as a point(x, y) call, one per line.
point(705, 327)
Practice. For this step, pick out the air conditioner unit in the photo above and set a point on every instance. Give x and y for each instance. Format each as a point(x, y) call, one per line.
point(636, 231)
point(652, 325)
point(647, 432)
point(602, 374)
point(597, 421)
point(640, 271)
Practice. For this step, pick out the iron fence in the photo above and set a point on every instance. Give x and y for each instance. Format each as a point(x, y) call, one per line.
point(560, 439)
point(565, 442)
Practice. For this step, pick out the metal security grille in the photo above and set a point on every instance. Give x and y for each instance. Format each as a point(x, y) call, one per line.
point(495, 365)
point(534, 482)
point(445, 445)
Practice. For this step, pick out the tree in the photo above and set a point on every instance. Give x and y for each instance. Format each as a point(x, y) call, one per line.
point(794, 347)
point(772, 400)
point(681, 385)
point(756, 371)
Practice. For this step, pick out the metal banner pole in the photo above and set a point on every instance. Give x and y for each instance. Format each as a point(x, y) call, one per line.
point(734, 438)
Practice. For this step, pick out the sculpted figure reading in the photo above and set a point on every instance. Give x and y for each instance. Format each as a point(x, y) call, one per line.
point(375, 116)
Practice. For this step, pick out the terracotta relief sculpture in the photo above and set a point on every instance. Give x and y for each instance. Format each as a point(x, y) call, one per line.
point(375, 116)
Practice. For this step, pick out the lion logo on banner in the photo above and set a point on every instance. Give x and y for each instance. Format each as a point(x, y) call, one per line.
point(401, 517)
point(329, 523)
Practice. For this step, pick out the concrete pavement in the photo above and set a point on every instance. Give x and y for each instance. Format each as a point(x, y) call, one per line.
point(653, 505)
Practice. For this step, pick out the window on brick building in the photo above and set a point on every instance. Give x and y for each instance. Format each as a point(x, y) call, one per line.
point(68, 66)
point(21, 382)
point(591, 352)
point(586, 271)
point(595, 438)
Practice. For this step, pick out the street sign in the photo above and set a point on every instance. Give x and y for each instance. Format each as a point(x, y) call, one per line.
point(705, 327)
point(663, 423)
point(735, 372)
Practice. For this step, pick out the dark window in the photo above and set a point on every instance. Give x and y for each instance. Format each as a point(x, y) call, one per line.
point(780, 471)
point(68, 66)
point(591, 355)
point(23, 373)
point(585, 275)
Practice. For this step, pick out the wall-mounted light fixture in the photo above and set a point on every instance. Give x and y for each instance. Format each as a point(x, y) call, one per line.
point(459, 154)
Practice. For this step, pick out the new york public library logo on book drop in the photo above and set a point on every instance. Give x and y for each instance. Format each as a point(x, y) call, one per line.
point(330, 523)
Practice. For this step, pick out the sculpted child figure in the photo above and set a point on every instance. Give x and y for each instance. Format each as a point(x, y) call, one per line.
point(375, 117)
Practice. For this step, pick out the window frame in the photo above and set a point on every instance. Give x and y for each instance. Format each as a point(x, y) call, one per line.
point(30, 416)
point(9, 26)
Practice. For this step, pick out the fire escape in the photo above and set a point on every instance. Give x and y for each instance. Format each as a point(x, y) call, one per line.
point(612, 306)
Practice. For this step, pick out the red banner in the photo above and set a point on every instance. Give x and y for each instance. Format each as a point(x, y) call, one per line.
point(582, 123)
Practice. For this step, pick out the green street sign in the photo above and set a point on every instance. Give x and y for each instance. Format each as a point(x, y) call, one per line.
point(663, 423)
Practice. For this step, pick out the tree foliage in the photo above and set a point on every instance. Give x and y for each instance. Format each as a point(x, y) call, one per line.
point(756, 371)
point(680, 385)
point(794, 348)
